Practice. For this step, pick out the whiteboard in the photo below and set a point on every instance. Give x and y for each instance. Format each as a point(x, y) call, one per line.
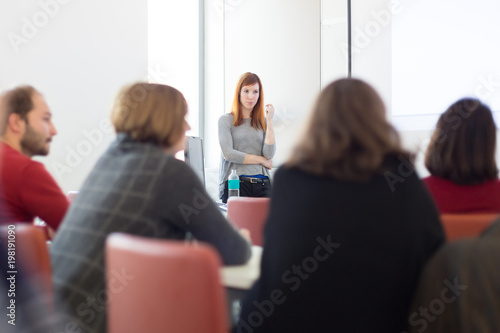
point(443, 51)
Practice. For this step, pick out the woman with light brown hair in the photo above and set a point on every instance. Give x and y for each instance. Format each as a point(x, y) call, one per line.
point(136, 187)
point(461, 160)
point(246, 138)
point(350, 225)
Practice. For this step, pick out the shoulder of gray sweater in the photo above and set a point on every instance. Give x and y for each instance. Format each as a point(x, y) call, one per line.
point(227, 117)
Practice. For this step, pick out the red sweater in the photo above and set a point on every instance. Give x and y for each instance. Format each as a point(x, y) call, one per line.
point(452, 198)
point(28, 190)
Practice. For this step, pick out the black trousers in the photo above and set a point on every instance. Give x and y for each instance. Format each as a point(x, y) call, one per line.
point(251, 187)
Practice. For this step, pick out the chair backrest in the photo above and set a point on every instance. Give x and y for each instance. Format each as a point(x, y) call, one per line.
point(170, 287)
point(249, 213)
point(31, 253)
point(466, 225)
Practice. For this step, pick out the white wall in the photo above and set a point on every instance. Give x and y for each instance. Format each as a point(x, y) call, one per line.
point(173, 50)
point(334, 64)
point(371, 39)
point(459, 57)
point(372, 58)
point(214, 90)
point(78, 56)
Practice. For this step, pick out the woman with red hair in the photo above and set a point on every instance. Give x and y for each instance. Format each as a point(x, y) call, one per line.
point(246, 137)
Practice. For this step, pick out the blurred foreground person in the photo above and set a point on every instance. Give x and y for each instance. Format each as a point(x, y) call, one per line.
point(459, 290)
point(350, 225)
point(137, 187)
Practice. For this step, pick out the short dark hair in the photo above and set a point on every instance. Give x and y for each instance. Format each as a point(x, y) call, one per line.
point(462, 147)
point(19, 101)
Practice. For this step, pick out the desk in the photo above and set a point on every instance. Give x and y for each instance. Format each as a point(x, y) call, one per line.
point(238, 279)
point(243, 276)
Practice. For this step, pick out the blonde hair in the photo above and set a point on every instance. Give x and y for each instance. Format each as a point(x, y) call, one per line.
point(347, 137)
point(150, 113)
point(257, 116)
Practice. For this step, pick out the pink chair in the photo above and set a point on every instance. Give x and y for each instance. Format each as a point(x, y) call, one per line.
point(249, 213)
point(173, 287)
point(466, 225)
point(31, 254)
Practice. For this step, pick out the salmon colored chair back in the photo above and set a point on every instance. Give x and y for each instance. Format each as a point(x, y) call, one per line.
point(31, 254)
point(466, 225)
point(249, 213)
point(170, 286)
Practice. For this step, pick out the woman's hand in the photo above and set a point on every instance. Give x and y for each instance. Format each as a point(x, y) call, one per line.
point(269, 112)
point(268, 164)
point(245, 233)
point(256, 159)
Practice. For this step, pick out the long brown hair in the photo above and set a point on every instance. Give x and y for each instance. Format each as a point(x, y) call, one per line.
point(257, 115)
point(462, 147)
point(347, 136)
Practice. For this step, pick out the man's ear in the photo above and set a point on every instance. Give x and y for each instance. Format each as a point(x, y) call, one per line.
point(15, 123)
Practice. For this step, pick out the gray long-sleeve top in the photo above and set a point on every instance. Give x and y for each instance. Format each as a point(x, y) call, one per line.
point(236, 142)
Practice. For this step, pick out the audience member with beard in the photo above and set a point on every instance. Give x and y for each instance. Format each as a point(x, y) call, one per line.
point(28, 190)
point(26, 304)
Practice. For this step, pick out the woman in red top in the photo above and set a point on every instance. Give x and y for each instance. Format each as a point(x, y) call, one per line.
point(461, 160)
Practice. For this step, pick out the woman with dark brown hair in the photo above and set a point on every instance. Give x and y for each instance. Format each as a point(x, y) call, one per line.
point(350, 225)
point(461, 160)
point(246, 138)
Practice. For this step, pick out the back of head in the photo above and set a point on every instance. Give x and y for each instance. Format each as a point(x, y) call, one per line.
point(462, 147)
point(19, 101)
point(347, 136)
point(150, 113)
